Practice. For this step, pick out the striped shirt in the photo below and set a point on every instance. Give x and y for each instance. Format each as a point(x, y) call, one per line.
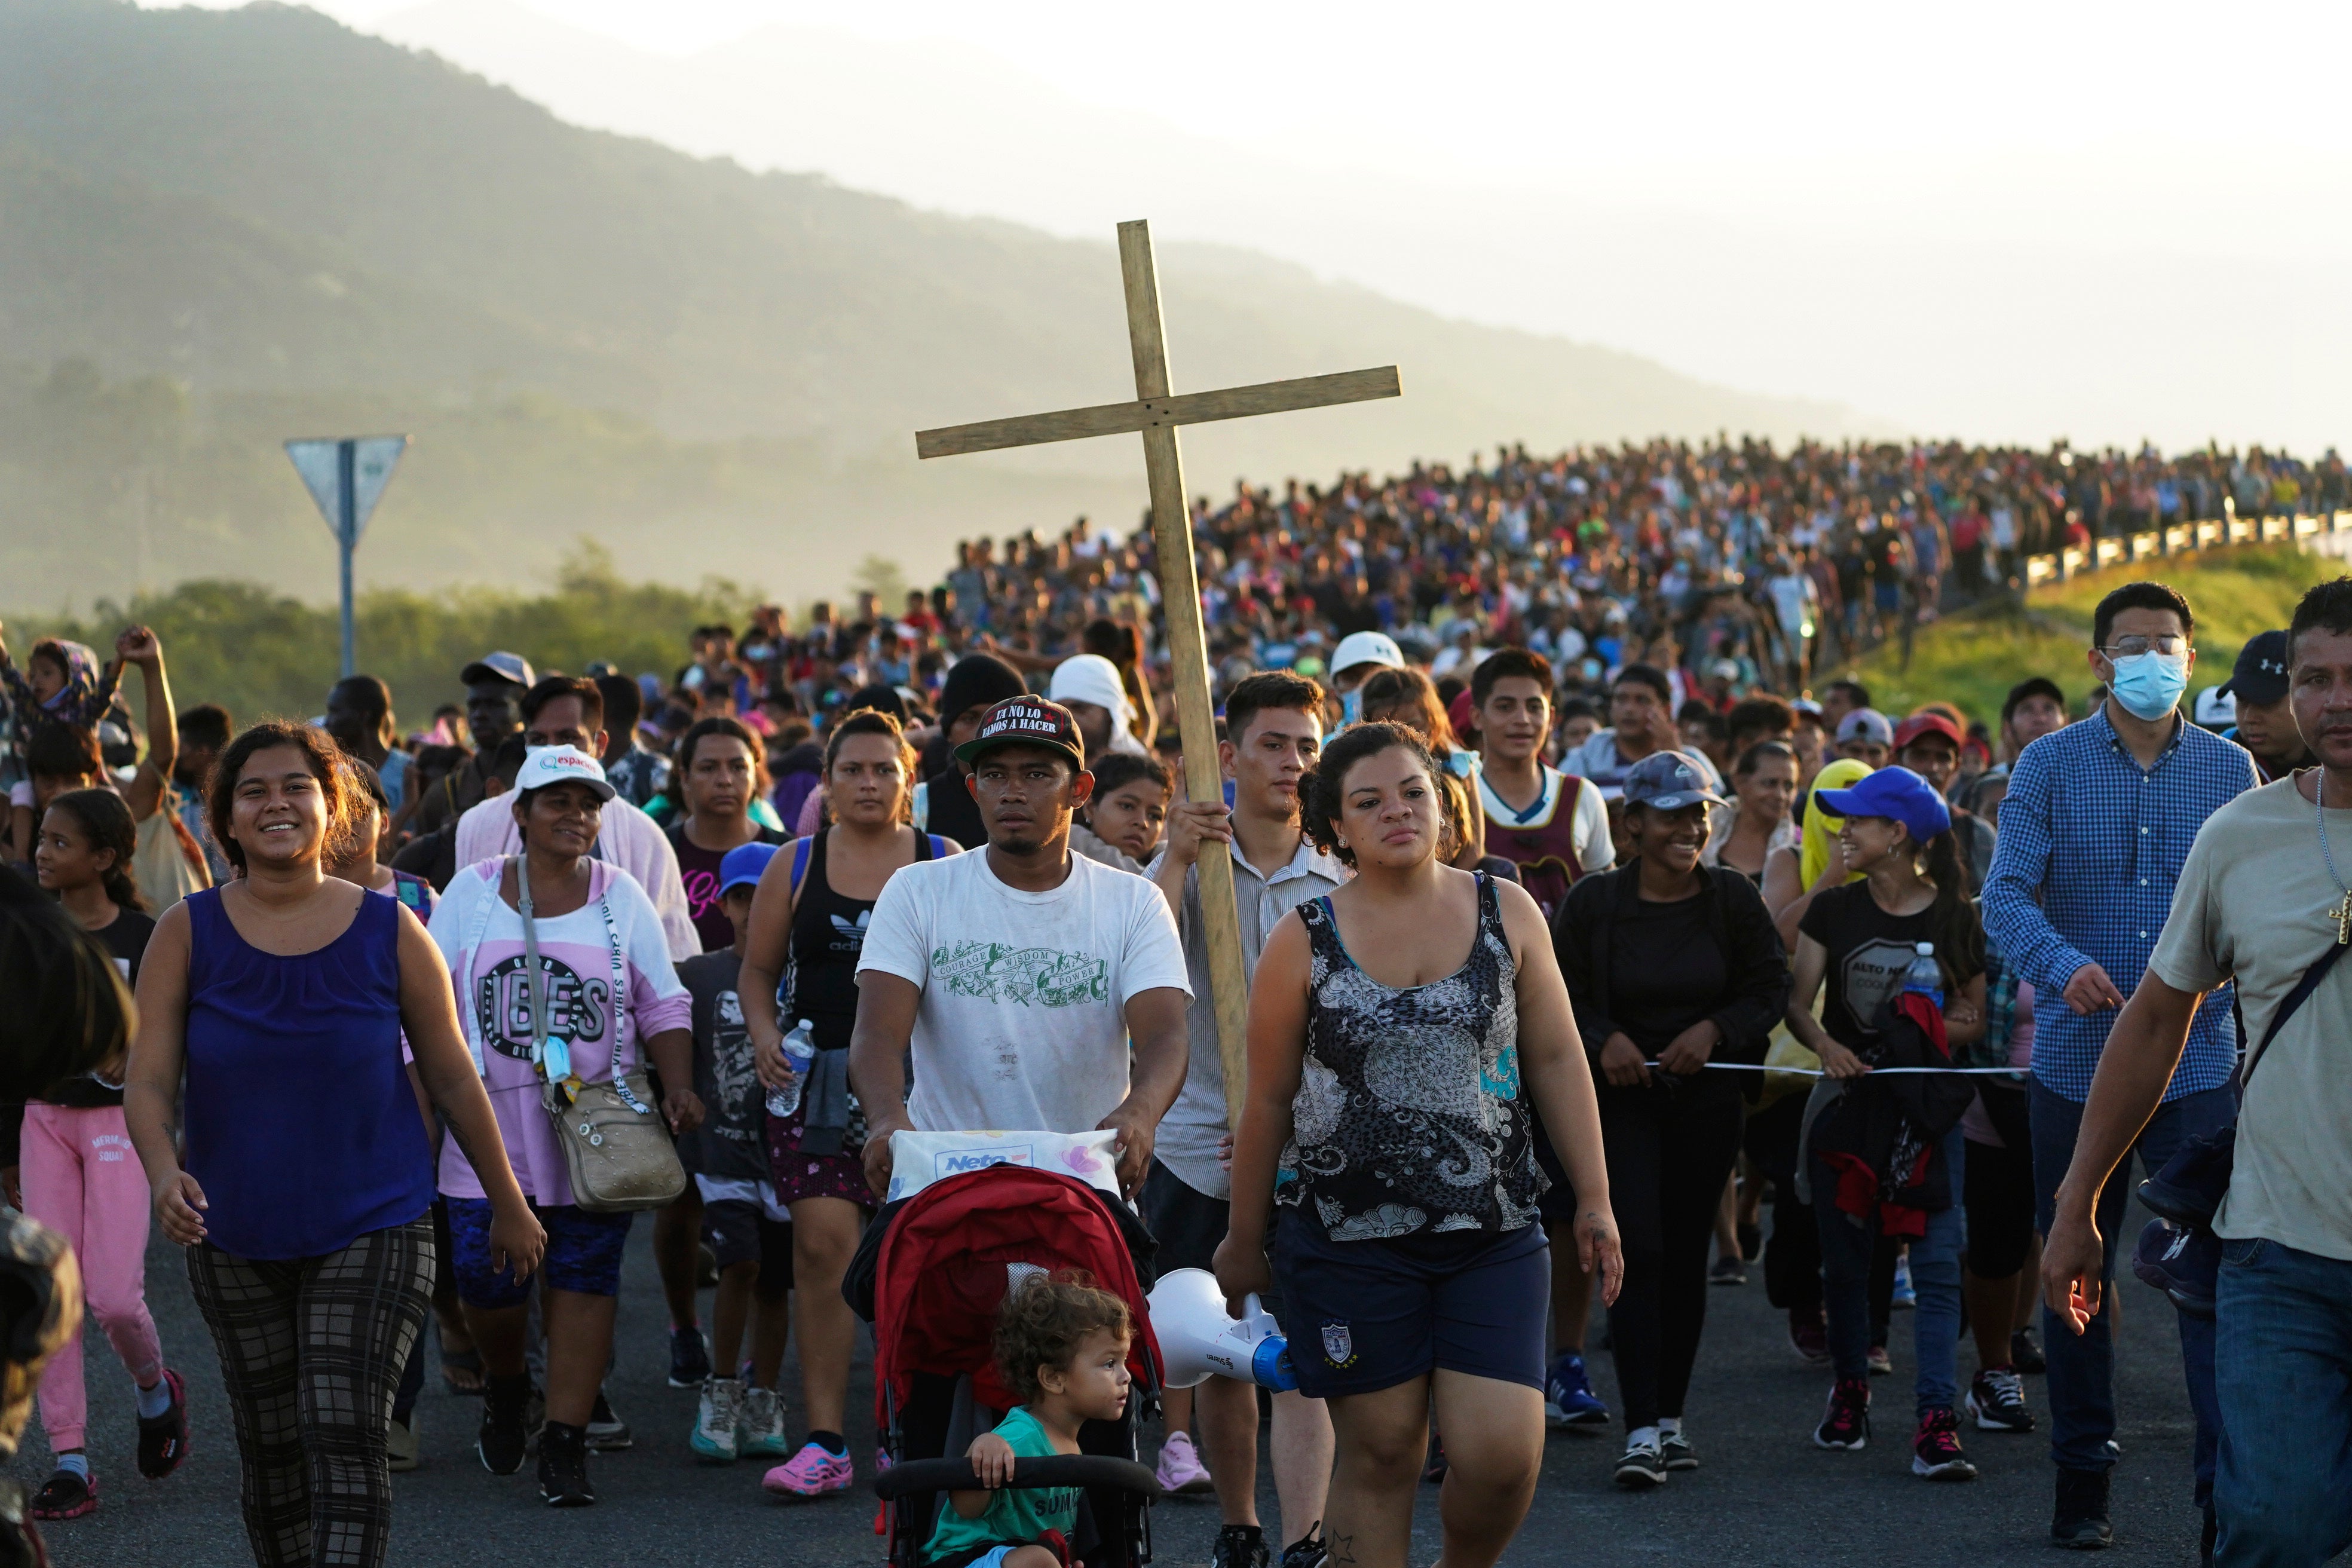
point(2091, 846)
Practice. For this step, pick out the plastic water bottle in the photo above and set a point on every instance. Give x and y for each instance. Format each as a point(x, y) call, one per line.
point(1926, 975)
point(800, 1048)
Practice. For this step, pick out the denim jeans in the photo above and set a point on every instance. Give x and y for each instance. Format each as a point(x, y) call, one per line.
point(2082, 1379)
point(1847, 1243)
point(2283, 1368)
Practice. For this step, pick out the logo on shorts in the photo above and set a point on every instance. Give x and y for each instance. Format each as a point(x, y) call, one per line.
point(1338, 1345)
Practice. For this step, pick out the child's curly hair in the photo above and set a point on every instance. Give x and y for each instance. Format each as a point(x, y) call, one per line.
point(1043, 1319)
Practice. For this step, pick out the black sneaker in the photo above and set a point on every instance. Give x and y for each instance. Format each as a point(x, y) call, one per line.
point(163, 1441)
point(1433, 1467)
point(1676, 1450)
point(2186, 1265)
point(2025, 1354)
point(1997, 1399)
point(1309, 1550)
point(2080, 1520)
point(1727, 1271)
point(504, 1434)
point(1846, 1423)
point(689, 1358)
point(608, 1432)
point(1642, 1467)
point(1239, 1546)
point(563, 1467)
point(65, 1496)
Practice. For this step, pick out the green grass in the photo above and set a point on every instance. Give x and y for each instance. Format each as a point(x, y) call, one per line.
point(1973, 659)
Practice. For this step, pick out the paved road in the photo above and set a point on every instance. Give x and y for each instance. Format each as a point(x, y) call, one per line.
point(1766, 1496)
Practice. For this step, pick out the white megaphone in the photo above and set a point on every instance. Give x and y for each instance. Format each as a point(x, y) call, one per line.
point(1198, 1341)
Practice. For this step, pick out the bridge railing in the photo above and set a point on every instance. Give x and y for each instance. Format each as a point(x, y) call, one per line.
point(2181, 539)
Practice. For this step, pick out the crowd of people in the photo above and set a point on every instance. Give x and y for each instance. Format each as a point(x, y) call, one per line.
point(1579, 927)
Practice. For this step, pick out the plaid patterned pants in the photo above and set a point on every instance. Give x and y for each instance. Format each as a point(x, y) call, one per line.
point(311, 1350)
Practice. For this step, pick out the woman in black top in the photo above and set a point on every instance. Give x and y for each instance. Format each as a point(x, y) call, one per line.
point(808, 927)
point(1676, 962)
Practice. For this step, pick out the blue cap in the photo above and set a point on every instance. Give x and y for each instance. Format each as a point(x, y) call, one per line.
point(1896, 792)
point(1667, 781)
point(744, 864)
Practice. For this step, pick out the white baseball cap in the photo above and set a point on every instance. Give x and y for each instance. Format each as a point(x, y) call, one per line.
point(1365, 647)
point(547, 765)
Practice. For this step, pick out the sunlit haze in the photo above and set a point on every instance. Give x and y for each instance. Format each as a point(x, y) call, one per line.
point(1998, 221)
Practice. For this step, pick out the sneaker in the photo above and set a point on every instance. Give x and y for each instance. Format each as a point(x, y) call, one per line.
point(1433, 1469)
point(1309, 1550)
point(811, 1472)
point(563, 1467)
point(1240, 1546)
point(608, 1432)
point(1674, 1447)
point(163, 1442)
point(400, 1446)
point(2080, 1520)
point(689, 1358)
point(1641, 1466)
point(1880, 1363)
point(1807, 1336)
point(1727, 1271)
point(1846, 1423)
point(1936, 1453)
point(1180, 1470)
point(65, 1496)
point(717, 1438)
point(2025, 1354)
point(1997, 1399)
point(759, 1425)
point(504, 1436)
point(2185, 1265)
point(1569, 1399)
point(1905, 1296)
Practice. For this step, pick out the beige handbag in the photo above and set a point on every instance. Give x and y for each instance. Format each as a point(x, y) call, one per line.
point(617, 1150)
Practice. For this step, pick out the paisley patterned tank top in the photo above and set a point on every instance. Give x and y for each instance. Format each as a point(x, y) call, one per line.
point(1408, 1118)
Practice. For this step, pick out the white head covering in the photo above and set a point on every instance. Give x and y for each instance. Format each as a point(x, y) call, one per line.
point(1091, 677)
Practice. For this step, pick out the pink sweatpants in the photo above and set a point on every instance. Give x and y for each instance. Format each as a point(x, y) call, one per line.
point(83, 1180)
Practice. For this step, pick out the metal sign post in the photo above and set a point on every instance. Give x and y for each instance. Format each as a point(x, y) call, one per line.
point(346, 477)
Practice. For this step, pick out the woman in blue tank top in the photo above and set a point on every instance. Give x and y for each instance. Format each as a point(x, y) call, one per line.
point(1392, 1027)
point(304, 1203)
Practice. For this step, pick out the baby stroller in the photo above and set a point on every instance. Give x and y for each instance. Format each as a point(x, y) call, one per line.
point(930, 1276)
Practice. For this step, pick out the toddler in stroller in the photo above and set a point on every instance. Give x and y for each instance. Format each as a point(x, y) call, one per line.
point(933, 1276)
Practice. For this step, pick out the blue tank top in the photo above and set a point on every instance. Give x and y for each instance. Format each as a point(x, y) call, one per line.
point(300, 1122)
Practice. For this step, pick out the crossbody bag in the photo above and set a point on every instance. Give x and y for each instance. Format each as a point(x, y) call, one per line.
point(617, 1150)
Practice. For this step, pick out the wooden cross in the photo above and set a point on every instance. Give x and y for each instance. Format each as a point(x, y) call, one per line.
point(1156, 413)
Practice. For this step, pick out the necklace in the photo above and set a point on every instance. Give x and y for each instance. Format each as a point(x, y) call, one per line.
point(2342, 913)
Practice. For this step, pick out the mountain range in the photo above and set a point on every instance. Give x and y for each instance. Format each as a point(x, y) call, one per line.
point(218, 229)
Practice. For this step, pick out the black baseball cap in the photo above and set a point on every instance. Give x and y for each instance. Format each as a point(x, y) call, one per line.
point(1026, 722)
point(2261, 674)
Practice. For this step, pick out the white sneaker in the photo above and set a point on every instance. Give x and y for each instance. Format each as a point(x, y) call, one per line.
point(717, 1437)
point(760, 1423)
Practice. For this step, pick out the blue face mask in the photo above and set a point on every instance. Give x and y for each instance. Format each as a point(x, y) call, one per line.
point(2149, 684)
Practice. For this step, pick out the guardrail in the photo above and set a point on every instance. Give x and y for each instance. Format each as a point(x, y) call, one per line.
point(2180, 539)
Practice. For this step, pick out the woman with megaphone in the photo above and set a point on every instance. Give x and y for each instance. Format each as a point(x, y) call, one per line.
point(1392, 1023)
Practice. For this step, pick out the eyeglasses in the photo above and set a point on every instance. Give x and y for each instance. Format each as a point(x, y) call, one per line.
point(2130, 647)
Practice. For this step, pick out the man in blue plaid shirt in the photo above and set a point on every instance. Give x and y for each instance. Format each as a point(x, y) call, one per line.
point(2099, 817)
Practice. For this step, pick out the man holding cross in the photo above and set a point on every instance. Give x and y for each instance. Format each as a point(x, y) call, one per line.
point(1273, 723)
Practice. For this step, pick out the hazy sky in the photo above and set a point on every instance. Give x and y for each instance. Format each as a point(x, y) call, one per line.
point(1999, 220)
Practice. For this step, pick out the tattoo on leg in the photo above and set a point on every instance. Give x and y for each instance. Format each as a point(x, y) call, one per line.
point(1341, 1549)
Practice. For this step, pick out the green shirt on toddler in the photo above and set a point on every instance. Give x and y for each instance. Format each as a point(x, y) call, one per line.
point(1014, 1517)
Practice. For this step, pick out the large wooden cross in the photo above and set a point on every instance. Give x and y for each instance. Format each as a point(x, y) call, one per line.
point(1156, 413)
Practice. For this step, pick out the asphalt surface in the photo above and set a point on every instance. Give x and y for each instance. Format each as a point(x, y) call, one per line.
point(1764, 1495)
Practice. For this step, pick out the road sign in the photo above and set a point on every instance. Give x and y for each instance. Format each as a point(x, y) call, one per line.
point(346, 477)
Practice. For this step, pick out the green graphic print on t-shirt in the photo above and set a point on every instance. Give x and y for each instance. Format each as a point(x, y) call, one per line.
point(996, 972)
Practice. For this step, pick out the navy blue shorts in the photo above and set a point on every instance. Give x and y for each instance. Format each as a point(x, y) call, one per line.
point(1362, 1316)
point(583, 1252)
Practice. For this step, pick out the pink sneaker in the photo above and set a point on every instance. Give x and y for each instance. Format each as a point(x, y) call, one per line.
point(1180, 1466)
point(811, 1472)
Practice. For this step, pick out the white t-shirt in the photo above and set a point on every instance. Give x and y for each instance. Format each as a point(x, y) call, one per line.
point(1021, 1025)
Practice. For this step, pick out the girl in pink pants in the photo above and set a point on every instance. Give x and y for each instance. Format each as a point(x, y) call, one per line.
point(76, 1173)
